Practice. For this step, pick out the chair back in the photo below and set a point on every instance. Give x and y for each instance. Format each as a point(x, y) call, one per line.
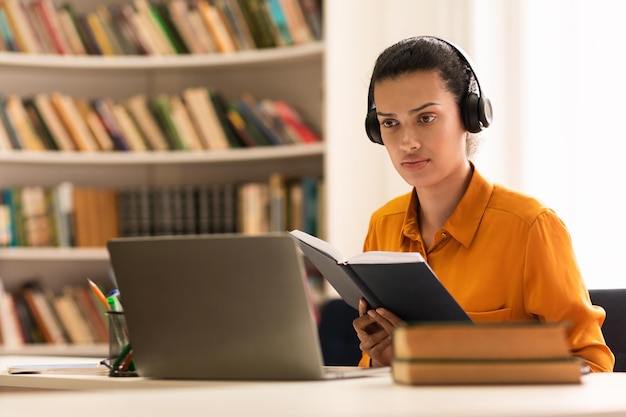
point(614, 328)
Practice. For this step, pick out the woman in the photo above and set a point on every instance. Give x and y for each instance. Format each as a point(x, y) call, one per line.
point(502, 255)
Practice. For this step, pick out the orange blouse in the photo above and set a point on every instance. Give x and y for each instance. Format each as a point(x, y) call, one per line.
point(503, 256)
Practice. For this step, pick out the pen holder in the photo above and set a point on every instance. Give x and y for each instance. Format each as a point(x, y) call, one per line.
point(120, 359)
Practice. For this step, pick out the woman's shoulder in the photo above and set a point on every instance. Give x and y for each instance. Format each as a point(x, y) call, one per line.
point(524, 206)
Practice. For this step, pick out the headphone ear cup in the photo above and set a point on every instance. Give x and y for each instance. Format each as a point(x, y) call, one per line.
point(471, 117)
point(477, 113)
point(372, 127)
point(485, 112)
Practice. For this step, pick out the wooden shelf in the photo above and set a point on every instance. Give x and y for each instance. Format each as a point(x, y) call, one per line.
point(267, 154)
point(273, 56)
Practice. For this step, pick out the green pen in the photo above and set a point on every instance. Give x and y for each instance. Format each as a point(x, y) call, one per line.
point(118, 361)
point(114, 301)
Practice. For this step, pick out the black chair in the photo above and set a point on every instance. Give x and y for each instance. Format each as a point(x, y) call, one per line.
point(614, 328)
point(340, 346)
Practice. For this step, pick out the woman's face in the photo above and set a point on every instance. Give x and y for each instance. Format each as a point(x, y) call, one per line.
point(421, 128)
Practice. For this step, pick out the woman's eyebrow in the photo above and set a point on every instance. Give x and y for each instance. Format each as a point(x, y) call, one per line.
point(415, 110)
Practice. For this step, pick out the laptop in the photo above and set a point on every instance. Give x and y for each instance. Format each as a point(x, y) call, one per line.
point(220, 306)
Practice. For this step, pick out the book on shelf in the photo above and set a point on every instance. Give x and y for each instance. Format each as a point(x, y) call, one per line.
point(10, 43)
point(86, 34)
point(254, 198)
point(312, 11)
point(39, 124)
point(277, 202)
point(128, 127)
point(148, 24)
point(220, 105)
point(161, 107)
point(204, 117)
point(51, 120)
point(104, 109)
point(256, 20)
point(249, 110)
point(237, 23)
point(9, 324)
point(296, 22)
point(115, 37)
point(215, 23)
point(96, 126)
point(293, 120)
point(8, 124)
point(184, 125)
point(178, 14)
point(35, 217)
point(138, 110)
point(24, 34)
point(402, 282)
point(68, 26)
point(278, 19)
point(172, 30)
point(121, 20)
point(483, 353)
point(245, 126)
point(36, 23)
point(5, 142)
point(5, 222)
point(73, 122)
point(45, 316)
point(49, 19)
point(24, 129)
point(100, 35)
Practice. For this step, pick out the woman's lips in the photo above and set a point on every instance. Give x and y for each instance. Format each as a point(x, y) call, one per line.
point(414, 163)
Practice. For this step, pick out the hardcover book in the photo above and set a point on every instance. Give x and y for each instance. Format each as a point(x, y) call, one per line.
point(402, 282)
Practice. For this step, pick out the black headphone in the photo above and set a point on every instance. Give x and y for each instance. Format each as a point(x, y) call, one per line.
point(476, 109)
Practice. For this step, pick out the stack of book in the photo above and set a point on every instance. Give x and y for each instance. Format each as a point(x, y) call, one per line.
point(197, 119)
point(483, 353)
point(144, 27)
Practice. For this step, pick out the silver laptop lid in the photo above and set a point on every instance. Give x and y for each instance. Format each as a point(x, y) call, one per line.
point(217, 306)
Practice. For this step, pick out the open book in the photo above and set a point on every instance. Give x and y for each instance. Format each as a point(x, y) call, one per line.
point(402, 282)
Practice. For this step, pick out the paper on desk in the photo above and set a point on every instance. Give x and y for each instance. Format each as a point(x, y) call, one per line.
point(59, 368)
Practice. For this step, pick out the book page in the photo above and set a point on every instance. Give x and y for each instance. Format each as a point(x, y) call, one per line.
point(382, 257)
point(319, 244)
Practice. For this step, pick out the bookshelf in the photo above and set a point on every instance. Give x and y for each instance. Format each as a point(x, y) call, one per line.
point(290, 73)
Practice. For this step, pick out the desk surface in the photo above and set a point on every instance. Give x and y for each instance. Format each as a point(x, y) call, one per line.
point(598, 395)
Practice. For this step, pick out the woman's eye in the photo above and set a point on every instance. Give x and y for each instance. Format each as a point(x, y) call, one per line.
point(427, 118)
point(388, 123)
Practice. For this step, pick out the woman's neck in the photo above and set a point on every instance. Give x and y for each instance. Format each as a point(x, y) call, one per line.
point(437, 203)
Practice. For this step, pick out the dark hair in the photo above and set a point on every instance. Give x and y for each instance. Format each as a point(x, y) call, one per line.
point(423, 53)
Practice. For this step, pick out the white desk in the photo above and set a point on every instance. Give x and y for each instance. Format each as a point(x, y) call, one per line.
point(598, 395)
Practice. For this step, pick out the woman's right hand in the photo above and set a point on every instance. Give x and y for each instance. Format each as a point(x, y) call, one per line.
point(373, 328)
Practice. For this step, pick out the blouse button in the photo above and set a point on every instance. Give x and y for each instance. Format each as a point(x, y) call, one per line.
point(444, 235)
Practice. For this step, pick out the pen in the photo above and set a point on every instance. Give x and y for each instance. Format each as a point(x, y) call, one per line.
point(125, 365)
point(98, 293)
point(123, 354)
point(113, 301)
point(112, 304)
